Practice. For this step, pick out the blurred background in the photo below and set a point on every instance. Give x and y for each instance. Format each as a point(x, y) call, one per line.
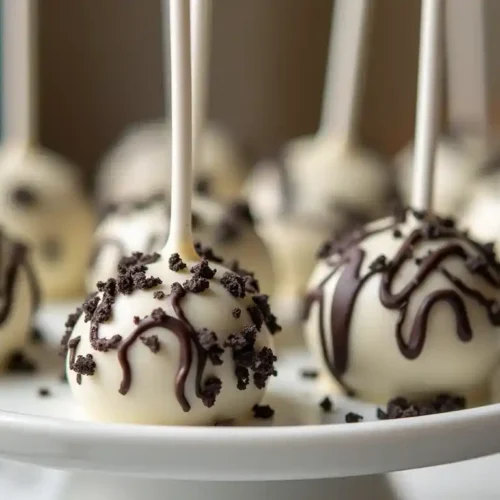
point(102, 70)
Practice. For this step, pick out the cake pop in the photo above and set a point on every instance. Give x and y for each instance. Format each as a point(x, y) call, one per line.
point(42, 202)
point(153, 350)
point(20, 298)
point(324, 182)
point(461, 153)
point(408, 306)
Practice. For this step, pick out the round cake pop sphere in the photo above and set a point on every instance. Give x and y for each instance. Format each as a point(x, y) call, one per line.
point(143, 227)
point(406, 308)
point(171, 342)
point(333, 181)
point(20, 298)
point(42, 204)
point(140, 163)
point(458, 160)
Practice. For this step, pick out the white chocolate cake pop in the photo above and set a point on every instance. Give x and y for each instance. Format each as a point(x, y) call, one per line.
point(20, 298)
point(160, 352)
point(140, 163)
point(189, 354)
point(43, 205)
point(143, 227)
point(406, 308)
point(42, 202)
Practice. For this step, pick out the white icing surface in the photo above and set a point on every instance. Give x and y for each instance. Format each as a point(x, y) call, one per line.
point(139, 165)
point(57, 225)
point(151, 398)
point(376, 368)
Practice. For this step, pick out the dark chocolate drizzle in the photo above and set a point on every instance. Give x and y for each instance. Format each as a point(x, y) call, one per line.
point(17, 260)
point(182, 332)
point(345, 256)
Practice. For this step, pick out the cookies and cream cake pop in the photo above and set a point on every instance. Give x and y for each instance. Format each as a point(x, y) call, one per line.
point(406, 307)
point(173, 338)
point(143, 227)
point(20, 297)
point(42, 204)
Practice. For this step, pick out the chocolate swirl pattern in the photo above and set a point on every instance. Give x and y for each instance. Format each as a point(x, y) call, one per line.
point(19, 296)
point(426, 269)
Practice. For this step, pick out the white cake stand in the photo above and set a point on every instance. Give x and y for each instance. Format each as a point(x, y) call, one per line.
point(332, 459)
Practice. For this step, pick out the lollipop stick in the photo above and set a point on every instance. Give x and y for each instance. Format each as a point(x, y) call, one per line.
point(201, 29)
point(427, 104)
point(180, 238)
point(19, 70)
point(345, 67)
point(466, 61)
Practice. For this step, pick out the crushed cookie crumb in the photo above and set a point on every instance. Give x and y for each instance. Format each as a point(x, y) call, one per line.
point(175, 263)
point(203, 270)
point(353, 418)
point(270, 320)
point(196, 284)
point(236, 312)
point(403, 408)
point(210, 344)
point(210, 391)
point(159, 295)
point(234, 284)
point(44, 392)
point(263, 367)
point(256, 316)
point(151, 342)
point(83, 365)
point(264, 412)
point(89, 307)
point(326, 405)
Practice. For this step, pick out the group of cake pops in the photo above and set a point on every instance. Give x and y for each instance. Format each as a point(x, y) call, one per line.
point(192, 248)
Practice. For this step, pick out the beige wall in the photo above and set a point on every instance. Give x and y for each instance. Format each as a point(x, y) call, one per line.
point(101, 69)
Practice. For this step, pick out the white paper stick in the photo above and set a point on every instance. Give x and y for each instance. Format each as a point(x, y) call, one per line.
point(19, 79)
point(466, 64)
point(345, 67)
point(201, 39)
point(180, 237)
point(429, 77)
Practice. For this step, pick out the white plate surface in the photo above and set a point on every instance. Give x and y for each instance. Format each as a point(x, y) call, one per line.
point(302, 443)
